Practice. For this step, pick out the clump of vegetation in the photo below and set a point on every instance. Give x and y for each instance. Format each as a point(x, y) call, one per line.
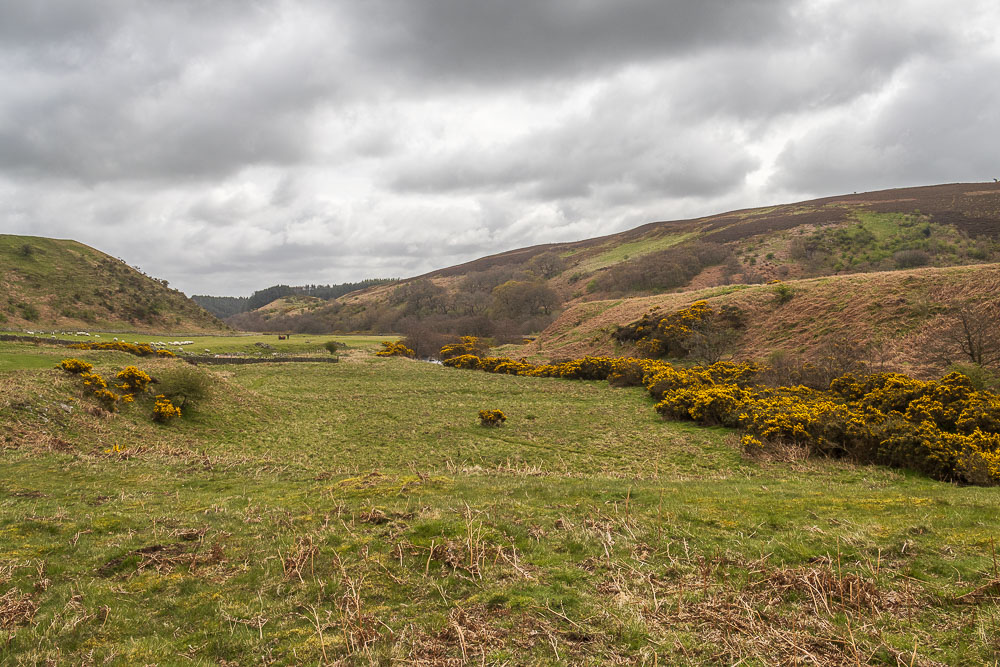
point(185, 385)
point(133, 380)
point(29, 311)
point(491, 418)
point(331, 346)
point(109, 400)
point(395, 349)
point(75, 366)
point(783, 293)
point(466, 345)
point(164, 410)
point(697, 330)
point(93, 380)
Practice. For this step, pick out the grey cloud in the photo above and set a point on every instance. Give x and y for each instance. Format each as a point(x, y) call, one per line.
point(490, 42)
point(626, 141)
point(920, 135)
point(54, 22)
point(183, 91)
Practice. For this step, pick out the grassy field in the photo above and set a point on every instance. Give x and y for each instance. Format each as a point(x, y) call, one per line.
point(632, 249)
point(257, 345)
point(356, 513)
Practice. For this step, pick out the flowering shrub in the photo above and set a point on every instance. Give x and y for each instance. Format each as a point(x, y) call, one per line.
point(93, 380)
point(466, 345)
point(466, 361)
point(491, 418)
point(75, 366)
point(667, 335)
point(164, 410)
point(109, 400)
point(391, 349)
point(712, 405)
point(133, 380)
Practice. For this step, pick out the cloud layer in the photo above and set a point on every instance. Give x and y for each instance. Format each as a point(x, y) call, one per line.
point(228, 146)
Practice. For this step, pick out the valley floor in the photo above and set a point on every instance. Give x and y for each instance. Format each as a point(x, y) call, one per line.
point(357, 513)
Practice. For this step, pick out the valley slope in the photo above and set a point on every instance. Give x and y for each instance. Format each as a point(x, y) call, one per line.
point(62, 284)
point(884, 234)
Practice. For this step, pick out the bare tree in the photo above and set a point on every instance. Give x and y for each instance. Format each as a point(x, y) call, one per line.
point(971, 334)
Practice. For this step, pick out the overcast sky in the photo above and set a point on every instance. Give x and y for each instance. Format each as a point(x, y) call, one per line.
point(229, 145)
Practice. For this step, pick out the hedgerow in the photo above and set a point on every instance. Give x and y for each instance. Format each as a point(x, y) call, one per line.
point(138, 349)
point(944, 428)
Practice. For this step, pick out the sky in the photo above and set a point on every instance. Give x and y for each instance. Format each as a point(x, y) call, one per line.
point(230, 145)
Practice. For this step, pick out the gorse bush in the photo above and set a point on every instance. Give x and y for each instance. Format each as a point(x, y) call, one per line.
point(393, 349)
point(491, 418)
point(783, 293)
point(93, 380)
point(697, 330)
point(109, 400)
point(164, 410)
point(947, 428)
point(133, 383)
point(75, 366)
point(465, 345)
point(133, 380)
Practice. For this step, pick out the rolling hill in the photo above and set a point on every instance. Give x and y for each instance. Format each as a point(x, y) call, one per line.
point(62, 284)
point(521, 291)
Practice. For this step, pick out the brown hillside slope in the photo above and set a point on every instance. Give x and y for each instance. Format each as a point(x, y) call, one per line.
point(933, 226)
point(973, 208)
point(902, 311)
point(761, 238)
point(61, 284)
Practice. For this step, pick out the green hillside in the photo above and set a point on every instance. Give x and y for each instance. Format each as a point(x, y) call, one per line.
point(61, 284)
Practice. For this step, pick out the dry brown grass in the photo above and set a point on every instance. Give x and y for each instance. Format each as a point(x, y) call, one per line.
point(896, 309)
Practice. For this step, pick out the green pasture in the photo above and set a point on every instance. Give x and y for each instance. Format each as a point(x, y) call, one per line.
point(629, 250)
point(248, 344)
point(357, 513)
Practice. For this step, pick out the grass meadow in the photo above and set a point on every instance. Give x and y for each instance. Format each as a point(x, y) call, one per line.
point(357, 513)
